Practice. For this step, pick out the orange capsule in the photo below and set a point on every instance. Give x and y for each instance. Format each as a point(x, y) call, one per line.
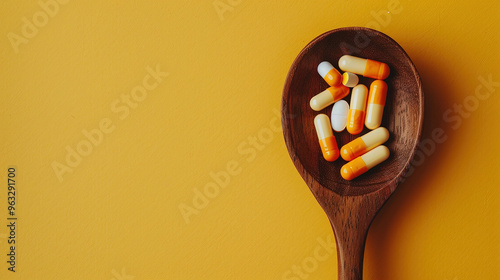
point(356, 117)
point(376, 103)
point(329, 73)
point(366, 67)
point(328, 97)
point(327, 141)
point(365, 143)
point(364, 163)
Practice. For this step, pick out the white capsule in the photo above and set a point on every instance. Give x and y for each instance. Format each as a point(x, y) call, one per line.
point(340, 111)
point(350, 79)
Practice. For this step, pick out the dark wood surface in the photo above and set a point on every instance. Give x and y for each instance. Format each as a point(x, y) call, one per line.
point(351, 205)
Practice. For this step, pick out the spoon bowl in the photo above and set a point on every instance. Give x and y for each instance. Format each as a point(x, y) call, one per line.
point(352, 205)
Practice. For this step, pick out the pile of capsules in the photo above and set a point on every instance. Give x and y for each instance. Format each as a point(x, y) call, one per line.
point(367, 151)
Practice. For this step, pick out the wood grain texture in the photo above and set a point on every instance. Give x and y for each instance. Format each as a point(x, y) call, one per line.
point(352, 205)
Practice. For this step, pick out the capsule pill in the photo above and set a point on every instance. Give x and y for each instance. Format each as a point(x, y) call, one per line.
point(366, 67)
point(376, 103)
point(356, 117)
point(329, 73)
point(328, 97)
point(350, 79)
point(365, 143)
point(327, 140)
point(364, 163)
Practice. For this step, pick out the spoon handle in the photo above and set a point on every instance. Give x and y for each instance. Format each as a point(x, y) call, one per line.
point(350, 218)
point(350, 237)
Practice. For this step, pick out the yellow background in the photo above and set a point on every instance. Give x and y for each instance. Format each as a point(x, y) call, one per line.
point(116, 216)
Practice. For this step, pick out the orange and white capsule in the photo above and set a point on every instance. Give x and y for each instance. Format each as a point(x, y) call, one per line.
point(364, 163)
point(365, 143)
point(327, 141)
point(350, 79)
point(329, 73)
point(356, 117)
point(328, 97)
point(376, 103)
point(366, 67)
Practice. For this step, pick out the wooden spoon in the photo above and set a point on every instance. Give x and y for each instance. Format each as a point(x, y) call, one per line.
point(352, 205)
